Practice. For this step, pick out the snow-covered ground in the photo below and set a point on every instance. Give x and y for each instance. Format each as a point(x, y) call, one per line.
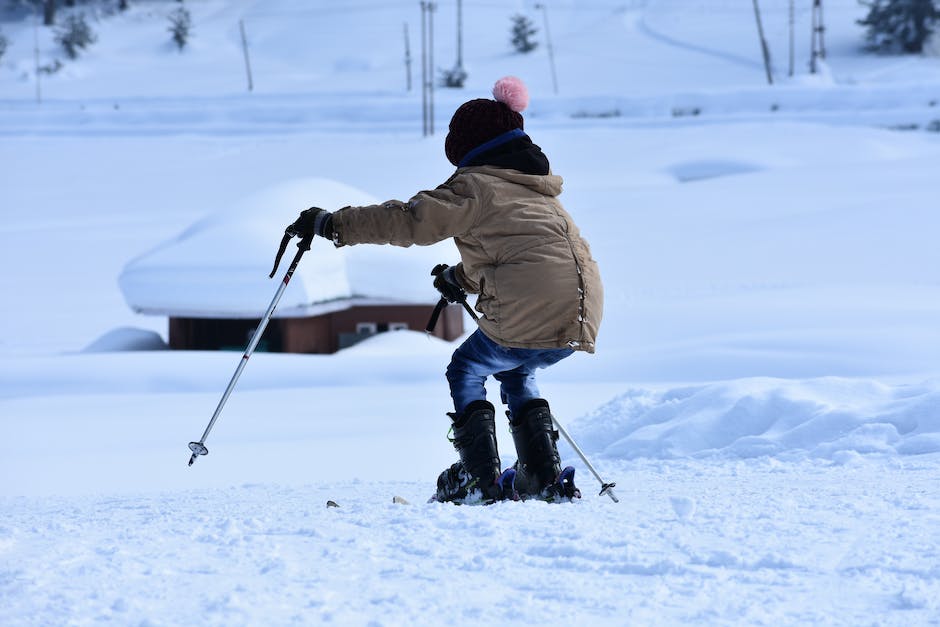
point(765, 393)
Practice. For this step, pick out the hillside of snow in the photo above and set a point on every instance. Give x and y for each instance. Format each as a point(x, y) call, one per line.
point(765, 392)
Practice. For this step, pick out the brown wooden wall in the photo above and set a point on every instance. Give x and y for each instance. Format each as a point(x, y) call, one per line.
point(319, 334)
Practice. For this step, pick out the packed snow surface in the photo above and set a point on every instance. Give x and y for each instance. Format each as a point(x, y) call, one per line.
point(765, 391)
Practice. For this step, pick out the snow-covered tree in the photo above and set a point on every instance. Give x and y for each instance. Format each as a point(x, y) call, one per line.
point(522, 34)
point(180, 23)
point(3, 45)
point(48, 12)
point(74, 35)
point(900, 25)
point(455, 77)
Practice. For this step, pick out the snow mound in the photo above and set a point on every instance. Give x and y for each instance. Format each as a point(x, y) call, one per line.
point(710, 168)
point(219, 266)
point(401, 342)
point(127, 339)
point(829, 418)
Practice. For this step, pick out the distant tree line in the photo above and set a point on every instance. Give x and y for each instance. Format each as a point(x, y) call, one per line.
point(73, 32)
point(904, 26)
point(49, 8)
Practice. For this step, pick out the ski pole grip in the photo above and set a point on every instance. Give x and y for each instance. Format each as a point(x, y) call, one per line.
point(435, 315)
point(305, 242)
point(280, 252)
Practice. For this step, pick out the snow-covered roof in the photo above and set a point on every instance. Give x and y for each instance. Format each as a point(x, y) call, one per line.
point(219, 266)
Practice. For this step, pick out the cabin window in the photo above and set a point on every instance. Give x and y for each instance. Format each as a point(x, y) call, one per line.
point(367, 328)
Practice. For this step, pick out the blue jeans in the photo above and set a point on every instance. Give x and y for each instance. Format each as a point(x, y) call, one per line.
point(479, 357)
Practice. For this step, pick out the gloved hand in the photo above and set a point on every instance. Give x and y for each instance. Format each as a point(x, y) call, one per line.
point(446, 284)
point(312, 221)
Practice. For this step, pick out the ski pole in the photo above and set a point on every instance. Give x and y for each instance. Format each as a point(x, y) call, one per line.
point(199, 448)
point(445, 300)
point(441, 304)
point(606, 488)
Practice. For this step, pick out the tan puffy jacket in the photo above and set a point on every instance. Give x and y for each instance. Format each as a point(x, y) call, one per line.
point(520, 251)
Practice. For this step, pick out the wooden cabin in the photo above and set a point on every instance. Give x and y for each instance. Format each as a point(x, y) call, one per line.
point(324, 333)
point(211, 281)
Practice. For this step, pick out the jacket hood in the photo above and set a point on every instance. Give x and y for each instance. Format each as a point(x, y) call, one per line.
point(545, 184)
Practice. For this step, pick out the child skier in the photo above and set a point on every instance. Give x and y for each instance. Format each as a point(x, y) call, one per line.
point(539, 290)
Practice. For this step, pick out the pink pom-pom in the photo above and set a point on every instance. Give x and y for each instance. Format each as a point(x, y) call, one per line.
point(512, 92)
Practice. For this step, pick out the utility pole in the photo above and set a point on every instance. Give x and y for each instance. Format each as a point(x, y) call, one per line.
point(407, 59)
point(457, 76)
point(424, 68)
point(548, 41)
point(817, 46)
point(812, 42)
point(36, 57)
point(791, 23)
point(460, 34)
point(241, 27)
point(427, 65)
point(822, 29)
point(432, 7)
point(763, 44)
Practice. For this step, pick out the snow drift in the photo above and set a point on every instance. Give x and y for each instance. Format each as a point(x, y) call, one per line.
point(829, 417)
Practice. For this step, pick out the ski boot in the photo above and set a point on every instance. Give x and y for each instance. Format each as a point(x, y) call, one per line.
point(475, 477)
point(538, 469)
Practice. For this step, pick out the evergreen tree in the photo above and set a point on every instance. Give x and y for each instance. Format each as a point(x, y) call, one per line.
point(455, 77)
point(899, 25)
point(3, 45)
point(180, 23)
point(522, 33)
point(75, 35)
point(48, 12)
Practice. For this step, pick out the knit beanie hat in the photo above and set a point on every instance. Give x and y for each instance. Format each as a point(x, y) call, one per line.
point(478, 121)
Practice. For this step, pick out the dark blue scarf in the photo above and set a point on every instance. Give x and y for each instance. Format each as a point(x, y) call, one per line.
point(513, 149)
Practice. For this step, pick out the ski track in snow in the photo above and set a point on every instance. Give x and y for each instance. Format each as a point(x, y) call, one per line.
point(712, 542)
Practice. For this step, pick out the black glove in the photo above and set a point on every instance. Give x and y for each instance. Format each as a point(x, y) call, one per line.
point(446, 284)
point(312, 221)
